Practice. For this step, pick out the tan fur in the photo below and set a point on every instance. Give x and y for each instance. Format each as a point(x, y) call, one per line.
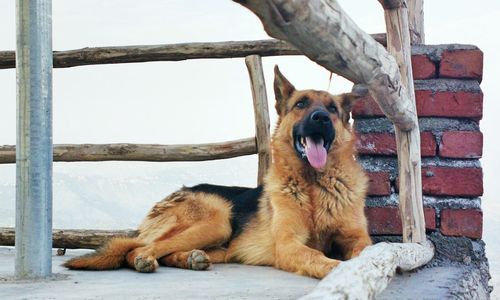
point(111, 256)
point(301, 212)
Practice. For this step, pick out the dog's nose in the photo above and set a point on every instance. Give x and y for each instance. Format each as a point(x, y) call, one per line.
point(321, 117)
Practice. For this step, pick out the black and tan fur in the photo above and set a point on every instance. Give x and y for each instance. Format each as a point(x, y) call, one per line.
point(288, 223)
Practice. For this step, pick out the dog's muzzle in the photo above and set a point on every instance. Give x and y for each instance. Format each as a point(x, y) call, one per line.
point(313, 137)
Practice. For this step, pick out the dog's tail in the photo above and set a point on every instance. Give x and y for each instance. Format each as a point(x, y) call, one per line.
point(111, 256)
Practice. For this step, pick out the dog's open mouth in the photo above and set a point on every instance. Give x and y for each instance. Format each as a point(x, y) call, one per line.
point(314, 148)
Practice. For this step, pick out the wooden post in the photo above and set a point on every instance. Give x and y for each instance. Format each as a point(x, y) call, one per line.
point(416, 21)
point(408, 142)
point(261, 112)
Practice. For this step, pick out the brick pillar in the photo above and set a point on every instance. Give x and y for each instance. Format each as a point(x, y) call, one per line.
point(450, 106)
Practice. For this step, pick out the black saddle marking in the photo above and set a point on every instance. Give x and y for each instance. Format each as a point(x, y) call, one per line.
point(245, 202)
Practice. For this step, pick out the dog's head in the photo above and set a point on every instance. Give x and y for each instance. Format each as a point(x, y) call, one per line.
point(314, 123)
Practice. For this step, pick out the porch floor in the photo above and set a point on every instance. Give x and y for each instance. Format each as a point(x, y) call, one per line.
point(227, 281)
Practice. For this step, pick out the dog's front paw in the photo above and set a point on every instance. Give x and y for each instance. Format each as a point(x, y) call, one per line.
point(327, 268)
point(145, 264)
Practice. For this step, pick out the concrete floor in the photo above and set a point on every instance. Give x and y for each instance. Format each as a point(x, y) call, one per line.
point(228, 281)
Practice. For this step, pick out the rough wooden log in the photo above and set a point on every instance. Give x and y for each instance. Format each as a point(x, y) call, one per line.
point(369, 274)
point(416, 21)
point(408, 142)
point(261, 112)
point(143, 152)
point(70, 238)
point(324, 33)
point(172, 52)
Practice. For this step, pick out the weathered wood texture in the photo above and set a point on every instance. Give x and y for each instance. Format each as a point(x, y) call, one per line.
point(70, 238)
point(408, 142)
point(369, 274)
point(261, 112)
point(168, 52)
point(324, 33)
point(416, 21)
point(143, 152)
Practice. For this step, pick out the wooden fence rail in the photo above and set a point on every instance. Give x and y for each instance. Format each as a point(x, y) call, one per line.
point(169, 52)
point(143, 152)
point(71, 238)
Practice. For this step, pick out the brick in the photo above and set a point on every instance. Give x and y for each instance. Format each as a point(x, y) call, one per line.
point(385, 144)
point(462, 222)
point(461, 144)
point(428, 146)
point(376, 143)
point(366, 106)
point(430, 218)
point(386, 220)
point(423, 67)
point(446, 181)
point(461, 104)
point(462, 64)
point(379, 184)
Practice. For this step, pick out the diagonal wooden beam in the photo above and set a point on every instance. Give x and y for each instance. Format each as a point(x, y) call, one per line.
point(324, 33)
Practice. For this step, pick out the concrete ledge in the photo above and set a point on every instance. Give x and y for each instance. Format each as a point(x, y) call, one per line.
point(225, 281)
point(450, 282)
point(229, 281)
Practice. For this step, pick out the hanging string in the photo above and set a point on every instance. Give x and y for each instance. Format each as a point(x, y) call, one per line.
point(329, 81)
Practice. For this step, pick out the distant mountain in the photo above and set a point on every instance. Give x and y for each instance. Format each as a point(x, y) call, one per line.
point(117, 195)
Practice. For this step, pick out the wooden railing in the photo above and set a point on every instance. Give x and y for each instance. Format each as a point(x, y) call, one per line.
point(251, 50)
point(144, 152)
point(170, 52)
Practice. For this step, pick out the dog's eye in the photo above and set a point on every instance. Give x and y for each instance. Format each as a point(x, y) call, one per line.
point(332, 108)
point(302, 103)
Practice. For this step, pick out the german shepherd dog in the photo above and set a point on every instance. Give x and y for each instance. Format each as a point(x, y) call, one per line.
point(312, 198)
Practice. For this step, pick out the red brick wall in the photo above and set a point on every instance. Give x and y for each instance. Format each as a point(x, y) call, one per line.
point(450, 106)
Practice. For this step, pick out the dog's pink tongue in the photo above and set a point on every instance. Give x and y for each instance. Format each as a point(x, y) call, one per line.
point(316, 153)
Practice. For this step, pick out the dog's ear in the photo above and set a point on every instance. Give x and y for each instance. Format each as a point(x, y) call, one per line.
point(283, 89)
point(349, 99)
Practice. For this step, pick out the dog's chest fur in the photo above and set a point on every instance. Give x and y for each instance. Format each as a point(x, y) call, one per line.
point(326, 202)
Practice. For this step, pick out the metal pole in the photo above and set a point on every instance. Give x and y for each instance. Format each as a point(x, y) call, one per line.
point(34, 139)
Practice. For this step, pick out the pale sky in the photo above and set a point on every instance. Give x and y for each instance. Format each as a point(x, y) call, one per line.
point(210, 100)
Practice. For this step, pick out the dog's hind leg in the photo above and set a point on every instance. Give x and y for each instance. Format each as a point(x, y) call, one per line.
point(217, 255)
point(203, 235)
point(195, 259)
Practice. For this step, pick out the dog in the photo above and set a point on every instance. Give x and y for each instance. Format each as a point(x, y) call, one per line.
point(312, 199)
